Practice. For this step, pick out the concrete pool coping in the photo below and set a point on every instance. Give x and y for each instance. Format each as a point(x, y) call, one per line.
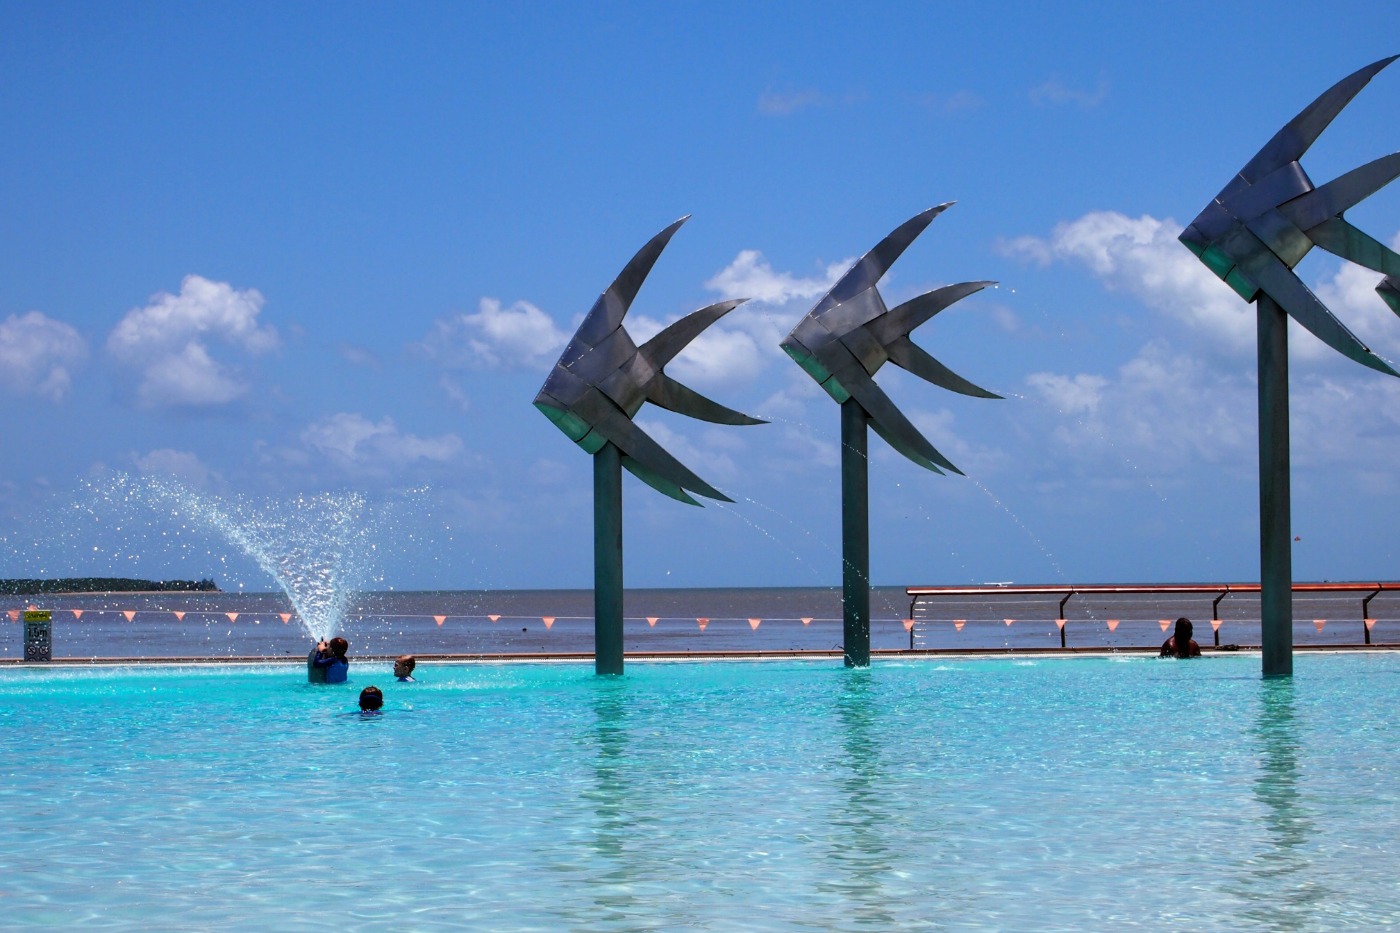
point(641, 657)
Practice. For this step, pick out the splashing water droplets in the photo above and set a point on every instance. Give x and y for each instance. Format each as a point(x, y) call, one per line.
point(316, 547)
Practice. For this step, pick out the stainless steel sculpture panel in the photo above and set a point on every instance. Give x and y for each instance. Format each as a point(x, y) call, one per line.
point(1270, 215)
point(600, 382)
point(850, 333)
point(603, 378)
point(1252, 235)
point(842, 343)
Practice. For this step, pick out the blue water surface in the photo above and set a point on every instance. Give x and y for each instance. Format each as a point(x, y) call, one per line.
point(1000, 794)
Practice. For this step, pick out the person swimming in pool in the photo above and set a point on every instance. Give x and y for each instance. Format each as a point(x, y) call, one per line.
point(403, 668)
point(327, 663)
point(1181, 644)
point(371, 701)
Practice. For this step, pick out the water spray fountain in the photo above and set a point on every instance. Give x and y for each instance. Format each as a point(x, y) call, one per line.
point(319, 548)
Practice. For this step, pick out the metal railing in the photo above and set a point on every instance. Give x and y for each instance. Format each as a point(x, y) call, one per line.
point(1066, 592)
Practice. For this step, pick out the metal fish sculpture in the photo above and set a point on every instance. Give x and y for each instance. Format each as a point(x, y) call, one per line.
point(1270, 215)
point(845, 339)
point(603, 378)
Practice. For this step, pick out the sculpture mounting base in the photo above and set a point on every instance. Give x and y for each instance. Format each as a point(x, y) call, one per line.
point(855, 533)
point(1275, 507)
point(607, 560)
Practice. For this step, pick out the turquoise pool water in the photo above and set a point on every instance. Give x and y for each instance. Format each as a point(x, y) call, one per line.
point(1047, 794)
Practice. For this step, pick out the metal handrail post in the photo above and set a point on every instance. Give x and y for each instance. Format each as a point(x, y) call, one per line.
point(1215, 615)
point(1366, 611)
point(1062, 616)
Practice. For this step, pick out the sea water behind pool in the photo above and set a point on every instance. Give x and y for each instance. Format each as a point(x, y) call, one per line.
point(671, 620)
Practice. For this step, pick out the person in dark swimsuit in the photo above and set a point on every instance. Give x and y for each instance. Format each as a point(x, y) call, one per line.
point(1181, 644)
point(328, 663)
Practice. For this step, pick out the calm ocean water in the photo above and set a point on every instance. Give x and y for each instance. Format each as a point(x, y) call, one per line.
point(664, 620)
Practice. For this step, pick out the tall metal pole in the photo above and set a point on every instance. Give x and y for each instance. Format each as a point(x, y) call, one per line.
point(607, 560)
point(1275, 521)
point(855, 534)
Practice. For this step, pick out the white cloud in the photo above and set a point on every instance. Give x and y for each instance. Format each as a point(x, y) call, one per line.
point(1055, 92)
point(546, 472)
point(356, 355)
point(37, 354)
point(1351, 294)
point(1350, 426)
point(351, 439)
point(938, 427)
point(166, 344)
point(751, 276)
point(1160, 413)
point(1143, 257)
point(708, 456)
point(773, 103)
point(455, 393)
point(751, 333)
point(1005, 319)
point(496, 337)
point(188, 377)
point(718, 357)
point(180, 464)
point(1071, 395)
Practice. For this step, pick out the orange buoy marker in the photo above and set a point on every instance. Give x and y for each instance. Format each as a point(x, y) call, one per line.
point(702, 623)
point(1370, 624)
point(439, 620)
point(494, 618)
point(909, 625)
point(959, 623)
point(1112, 624)
point(1215, 625)
point(1008, 621)
point(651, 620)
point(129, 613)
point(1318, 624)
point(548, 621)
point(232, 616)
point(1059, 623)
point(806, 620)
point(1164, 623)
point(14, 615)
point(179, 615)
point(753, 624)
point(285, 616)
point(77, 613)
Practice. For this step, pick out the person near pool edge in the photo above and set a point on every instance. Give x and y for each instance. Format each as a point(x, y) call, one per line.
point(403, 668)
point(1181, 644)
point(327, 663)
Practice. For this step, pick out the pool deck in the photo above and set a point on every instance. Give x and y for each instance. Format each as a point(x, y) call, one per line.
point(645, 656)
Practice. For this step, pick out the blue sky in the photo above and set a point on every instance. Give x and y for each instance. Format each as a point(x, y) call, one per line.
point(277, 251)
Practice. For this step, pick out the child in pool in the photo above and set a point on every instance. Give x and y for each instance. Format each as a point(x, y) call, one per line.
point(371, 701)
point(328, 663)
point(403, 668)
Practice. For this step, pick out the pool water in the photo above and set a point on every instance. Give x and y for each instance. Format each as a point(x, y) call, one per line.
point(1000, 794)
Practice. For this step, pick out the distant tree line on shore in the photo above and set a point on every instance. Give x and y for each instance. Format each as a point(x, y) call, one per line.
point(19, 587)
